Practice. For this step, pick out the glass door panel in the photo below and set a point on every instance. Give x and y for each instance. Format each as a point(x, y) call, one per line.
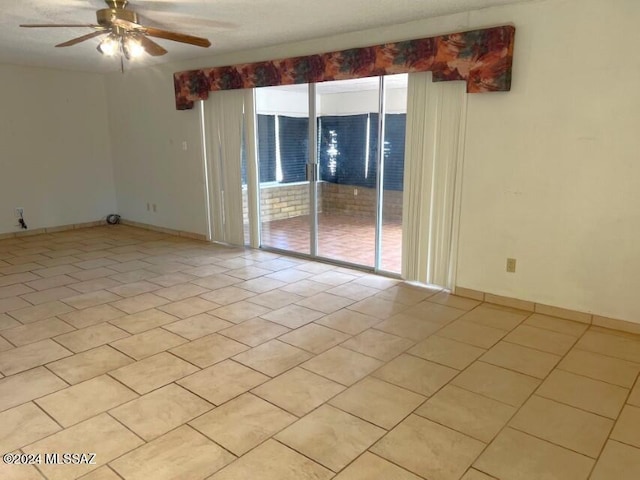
point(347, 126)
point(355, 204)
point(283, 151)
point(395, 116)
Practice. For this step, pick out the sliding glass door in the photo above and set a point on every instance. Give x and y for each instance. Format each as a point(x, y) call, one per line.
point(347, 118)
point(392, 173)
point(282, 118)
point(332, 187)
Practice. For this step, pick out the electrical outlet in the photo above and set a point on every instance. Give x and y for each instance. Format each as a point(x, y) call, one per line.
point(185, 146)
point(19, 212)
point(511, 265)
point(154, 207)
point(355, 192)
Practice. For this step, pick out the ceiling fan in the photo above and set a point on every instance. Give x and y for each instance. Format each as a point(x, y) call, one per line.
point(124, 34)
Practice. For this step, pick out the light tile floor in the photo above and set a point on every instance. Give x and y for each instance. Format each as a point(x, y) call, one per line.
point(176, 359)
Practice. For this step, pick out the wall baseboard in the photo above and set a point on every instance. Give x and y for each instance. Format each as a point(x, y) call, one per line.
point(552, 311)
point(97, 223)
point(170, 231)
point(59, 228)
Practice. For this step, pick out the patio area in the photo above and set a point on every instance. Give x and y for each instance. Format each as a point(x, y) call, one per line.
point(347, 238)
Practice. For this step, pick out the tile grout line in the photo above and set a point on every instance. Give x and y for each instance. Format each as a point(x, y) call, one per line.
point(615, 423)
point(517, 409)
point(507, 425)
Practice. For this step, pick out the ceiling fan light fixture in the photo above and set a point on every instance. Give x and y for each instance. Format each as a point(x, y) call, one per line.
point(132, 48)
point(125, 37)
point(109, 46)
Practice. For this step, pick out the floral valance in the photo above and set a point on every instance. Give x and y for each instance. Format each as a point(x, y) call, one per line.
point(482, 58)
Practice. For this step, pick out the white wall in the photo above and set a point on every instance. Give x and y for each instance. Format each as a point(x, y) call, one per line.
point(295, 103)
point(148, 137)
point(282, 101)
point(55, 157)
point(551, 171)
point(366, 101)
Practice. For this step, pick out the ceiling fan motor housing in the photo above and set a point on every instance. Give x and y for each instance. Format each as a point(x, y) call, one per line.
point(116, 10)
point(116, 4)
point(106, 16)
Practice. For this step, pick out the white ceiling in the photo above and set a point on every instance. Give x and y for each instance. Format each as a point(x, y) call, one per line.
point(231, 25)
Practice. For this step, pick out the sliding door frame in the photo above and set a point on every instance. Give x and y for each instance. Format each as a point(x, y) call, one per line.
point(313, 177)
point(377, 260)
point(313, 169)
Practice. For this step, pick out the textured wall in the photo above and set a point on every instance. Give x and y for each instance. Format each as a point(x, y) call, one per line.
point(55, 156)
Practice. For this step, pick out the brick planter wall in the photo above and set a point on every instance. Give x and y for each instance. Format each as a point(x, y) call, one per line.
point(360, 201)
point(278, 202)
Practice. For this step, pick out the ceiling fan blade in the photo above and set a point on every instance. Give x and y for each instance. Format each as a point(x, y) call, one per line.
point(177, 37)
point(159, 33)
point(80, 39)
point(151, 47)
point(64, 25)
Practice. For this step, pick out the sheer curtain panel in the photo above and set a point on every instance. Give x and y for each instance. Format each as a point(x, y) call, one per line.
point(227, 127)
point(434, 144)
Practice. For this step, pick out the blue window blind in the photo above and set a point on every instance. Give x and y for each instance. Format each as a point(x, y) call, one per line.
point(293, 135)
point(342, 149)
point(267, 148)
point(395, 125)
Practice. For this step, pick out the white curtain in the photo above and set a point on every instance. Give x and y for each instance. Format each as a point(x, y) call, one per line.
point(436, 114)
point(225, 120)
